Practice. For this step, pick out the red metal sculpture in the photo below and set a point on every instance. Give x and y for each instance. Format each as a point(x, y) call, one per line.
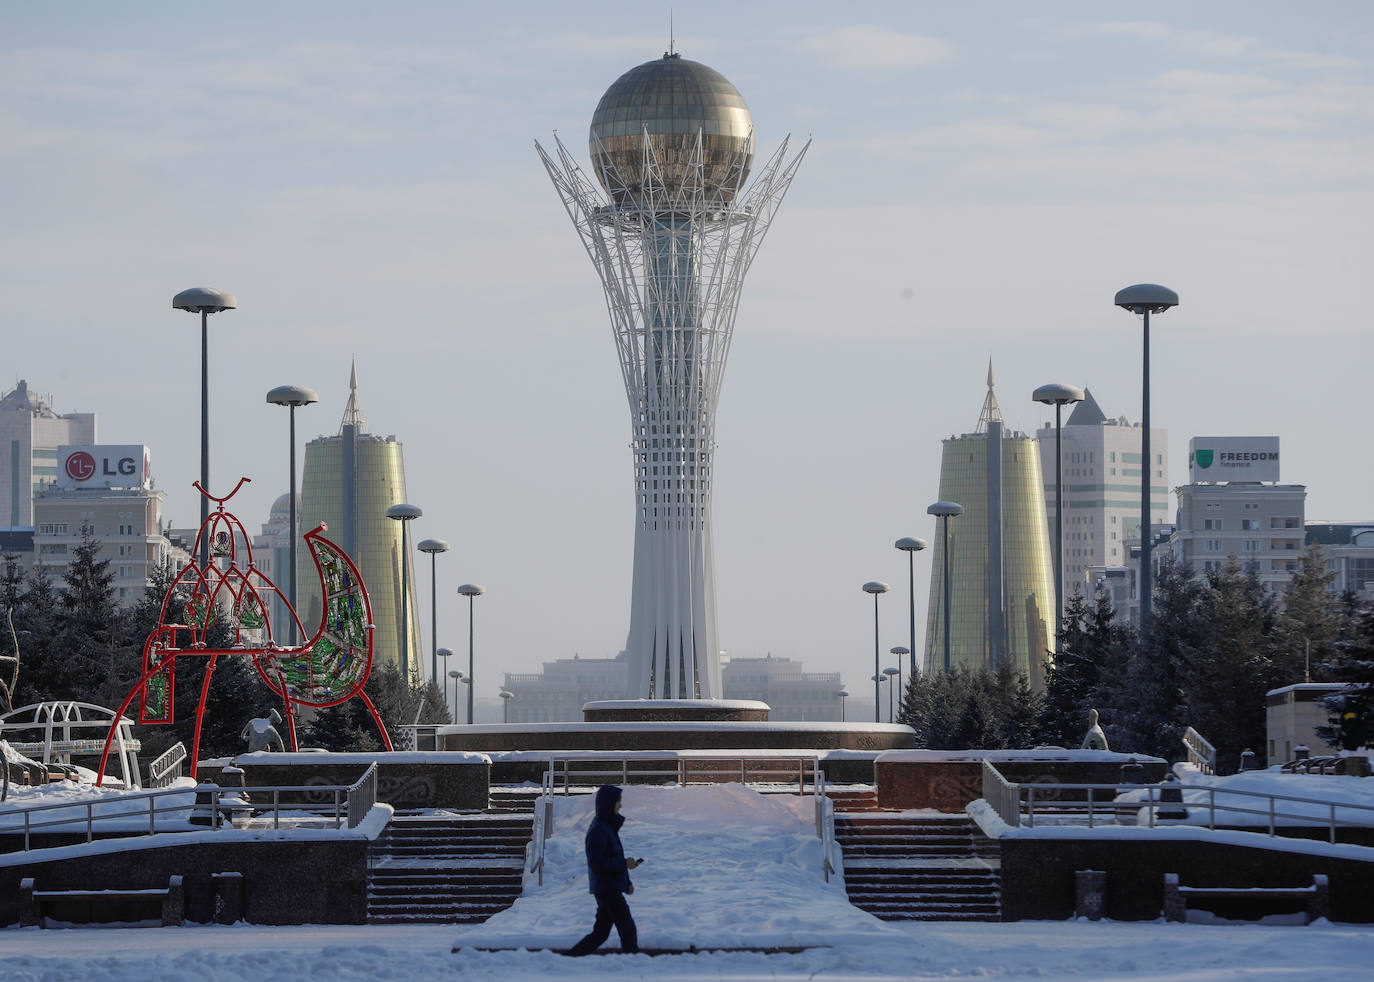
point(330, 668)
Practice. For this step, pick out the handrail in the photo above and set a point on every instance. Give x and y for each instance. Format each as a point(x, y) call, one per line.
point(167, 767)
point(825, 822)
point(1156, 806)
point(1001, 794)
point(1201, 754)
point(707, 769)
point(543, 824)
point(362, 795)
point(347, 807)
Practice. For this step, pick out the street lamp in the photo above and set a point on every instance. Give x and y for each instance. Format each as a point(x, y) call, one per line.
point(878, 679)
point(1058, 396)
point(911, 546)
point(204, 301)
point(898, 651)
point(506, 697)
point(293, 396)
point(471, 591)
point(433, 547)
point(890, 672)
point(405, 514)
point(457, 677)
point(445, 654)
point(946, 510)
point(1145, 299)
point(875, 587)
point(843, 694)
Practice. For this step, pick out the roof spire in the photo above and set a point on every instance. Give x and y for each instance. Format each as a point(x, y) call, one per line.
point(992, 413)
point(353, 411)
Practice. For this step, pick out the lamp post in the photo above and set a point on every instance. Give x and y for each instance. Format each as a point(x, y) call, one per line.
point(897, 652)
point(946, 510)
point(1145, 299)
point(405, 514)
point(911, 546)
point(293, 396)
point(506, 697)
point(875, 587)
point(457, 677)
point(1058, 396)
point(843, 694)
point(472, 591)
point(891, 712)
point(204, 301)
point(445, 654)
point(433, 547)
point(878, 679)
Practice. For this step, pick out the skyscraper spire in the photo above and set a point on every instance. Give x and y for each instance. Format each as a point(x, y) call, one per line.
point(353, 411)
point(992, 413)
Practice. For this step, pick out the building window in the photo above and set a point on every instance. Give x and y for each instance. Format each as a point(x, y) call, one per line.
point(1249, 525)
point(1212, 524)
point(53, 528)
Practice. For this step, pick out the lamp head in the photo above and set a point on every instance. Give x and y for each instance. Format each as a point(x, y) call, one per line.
point(444, 652)
point(433, 545)
point(471, 590)
point(404, 512)
point(945, 509)
point(900, 649)
point(1057, 394)
point(889, 672)
point(910, 544)
point(876, 587)
point(455, 674)
point(204, 300)
point(1146, 298)
point(843, 693)
point(292, 395)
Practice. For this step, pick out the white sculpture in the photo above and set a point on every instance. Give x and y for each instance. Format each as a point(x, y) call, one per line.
point(1096, 739)
point(261, 733)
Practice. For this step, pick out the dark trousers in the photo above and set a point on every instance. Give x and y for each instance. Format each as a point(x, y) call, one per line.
point(610, 909)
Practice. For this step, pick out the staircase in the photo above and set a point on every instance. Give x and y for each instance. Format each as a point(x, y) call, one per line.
point(919, 868)
point(456, 869)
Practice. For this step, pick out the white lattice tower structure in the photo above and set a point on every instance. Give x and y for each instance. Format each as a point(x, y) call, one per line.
point(672, 231)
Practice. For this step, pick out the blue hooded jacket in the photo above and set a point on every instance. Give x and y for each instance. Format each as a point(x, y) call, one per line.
point(606, 868)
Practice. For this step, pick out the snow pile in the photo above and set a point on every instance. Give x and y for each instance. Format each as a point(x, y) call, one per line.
point(1252, 808)
point(725, 867)
point(110, 807)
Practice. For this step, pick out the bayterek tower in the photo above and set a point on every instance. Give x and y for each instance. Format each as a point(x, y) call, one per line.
point(671, 227)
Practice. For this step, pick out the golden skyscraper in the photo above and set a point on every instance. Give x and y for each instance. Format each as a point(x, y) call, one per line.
point(1000, 564)
point(348, 483)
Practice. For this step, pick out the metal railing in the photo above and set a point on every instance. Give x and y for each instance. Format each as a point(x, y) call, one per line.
point(1019, 805)
point(167, 767)
point(1003, 796)
point(220, 806)
point(1201, 754)
point(582, 770)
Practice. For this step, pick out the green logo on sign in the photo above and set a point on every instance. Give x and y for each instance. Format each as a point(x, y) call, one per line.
point(1203, 458)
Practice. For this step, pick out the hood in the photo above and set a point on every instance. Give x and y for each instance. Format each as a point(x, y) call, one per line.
point(606, 797)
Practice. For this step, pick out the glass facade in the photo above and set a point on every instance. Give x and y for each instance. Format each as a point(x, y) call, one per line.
point(1027, 567)
point(371, 540)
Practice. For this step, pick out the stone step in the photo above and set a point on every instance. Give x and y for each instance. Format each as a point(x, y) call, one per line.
point(937, 915)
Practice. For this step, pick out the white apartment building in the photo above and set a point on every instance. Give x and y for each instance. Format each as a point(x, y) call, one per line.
point(1349, 551)
point(105, 494)
point(791, 693)
point(557, 694)
point(1102, 475)
point(30, 433)
point(1259, 524)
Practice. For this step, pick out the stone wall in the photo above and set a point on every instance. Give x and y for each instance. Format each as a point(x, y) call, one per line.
point(744, 738)
point(1038, 875)
point(407, 783)
point(948, 784)
point(282, 882)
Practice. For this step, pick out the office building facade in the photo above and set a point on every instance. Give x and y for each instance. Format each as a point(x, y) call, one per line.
point(1102, 474)
point(31, 432)
point(1001, 575)
point(348, 482)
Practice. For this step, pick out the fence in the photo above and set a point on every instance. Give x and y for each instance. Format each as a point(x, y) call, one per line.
point(167, 767)
point(1018, 805)
point(345, 807)
point(1201, 754)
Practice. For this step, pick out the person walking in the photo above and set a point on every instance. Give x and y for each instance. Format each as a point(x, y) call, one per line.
point(608, 873)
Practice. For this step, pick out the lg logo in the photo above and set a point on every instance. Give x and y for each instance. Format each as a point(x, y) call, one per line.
point(80, 466)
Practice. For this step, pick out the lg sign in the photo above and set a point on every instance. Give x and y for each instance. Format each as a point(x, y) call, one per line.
point(103, 467)
point(80, 466)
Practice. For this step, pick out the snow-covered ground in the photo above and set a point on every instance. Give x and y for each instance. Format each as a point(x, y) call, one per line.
point(1040, 950)
point(725, 866)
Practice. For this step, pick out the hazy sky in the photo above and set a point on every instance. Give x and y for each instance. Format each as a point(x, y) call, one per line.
point(983, 178)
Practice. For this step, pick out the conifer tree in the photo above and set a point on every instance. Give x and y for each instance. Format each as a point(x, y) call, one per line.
point(1351, 724)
